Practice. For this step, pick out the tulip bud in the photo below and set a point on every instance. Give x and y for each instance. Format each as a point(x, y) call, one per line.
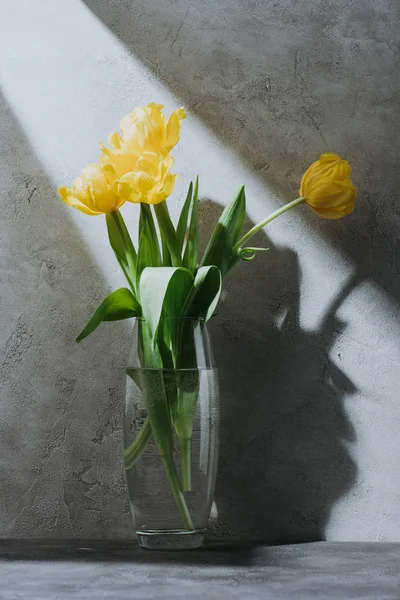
point(327, 188)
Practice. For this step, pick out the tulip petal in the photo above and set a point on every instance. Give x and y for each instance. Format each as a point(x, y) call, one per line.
point(127, 188)
point(330, 213)
point(173, 127)
point(144, 128)
point(114, 139)
point(67, 195)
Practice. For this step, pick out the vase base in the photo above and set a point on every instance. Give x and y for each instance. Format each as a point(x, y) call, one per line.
point(171, 540)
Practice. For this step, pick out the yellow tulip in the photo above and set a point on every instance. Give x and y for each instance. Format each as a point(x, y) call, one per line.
point(327, 188)
point(93, 193)
point(140, 154)
point(149, 181)
point(136, 167)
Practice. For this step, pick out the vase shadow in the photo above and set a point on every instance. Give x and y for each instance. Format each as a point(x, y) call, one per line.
point(283, 456)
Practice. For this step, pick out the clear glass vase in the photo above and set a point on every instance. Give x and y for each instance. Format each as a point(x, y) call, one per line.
point(171, 433)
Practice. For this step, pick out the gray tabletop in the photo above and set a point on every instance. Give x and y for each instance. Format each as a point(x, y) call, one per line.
point(119, 570)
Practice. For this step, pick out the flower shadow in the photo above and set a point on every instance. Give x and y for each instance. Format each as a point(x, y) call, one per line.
point(283, 456)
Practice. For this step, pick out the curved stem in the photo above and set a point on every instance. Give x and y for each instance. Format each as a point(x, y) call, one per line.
point(267, 220)
point(132, 453)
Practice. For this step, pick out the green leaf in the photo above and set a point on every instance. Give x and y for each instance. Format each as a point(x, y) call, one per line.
point(219, 250)
point(201, 303)
point(183, 219)
point(163, 289)
point(192, 245)
point(205, 293)
point(119, 305)
point(122, 245)
point(164, 344)
point(168, 233)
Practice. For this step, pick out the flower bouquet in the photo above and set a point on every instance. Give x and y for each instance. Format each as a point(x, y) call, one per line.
point(171, 410)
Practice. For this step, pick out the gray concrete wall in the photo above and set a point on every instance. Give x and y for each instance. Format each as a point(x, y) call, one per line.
point(307, 336)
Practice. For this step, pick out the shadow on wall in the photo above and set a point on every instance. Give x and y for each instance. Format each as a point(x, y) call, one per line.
point(60, 412)
point(281, 82)
point(283, 460)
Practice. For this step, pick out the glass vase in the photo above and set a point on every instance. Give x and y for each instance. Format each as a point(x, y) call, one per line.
point(171, 433)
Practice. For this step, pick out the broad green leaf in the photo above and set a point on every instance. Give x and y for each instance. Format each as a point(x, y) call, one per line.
point(119, 305)
point(192, 245)
point(163, 287)
point(168, 233)
point(219, 250)
point(202, 302)
point(149, 354)
point(154, 246)
point(164, 343)
point(183, 218)
point(122, 245)
point(205, 293)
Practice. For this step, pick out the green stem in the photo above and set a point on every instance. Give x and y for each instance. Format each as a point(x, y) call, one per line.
point(158, 413)
point(265, 222)
point(177, 492)
point(132, 453)
point(147, 217)
point(168, 232)
point(166, 254)
point(186, 471)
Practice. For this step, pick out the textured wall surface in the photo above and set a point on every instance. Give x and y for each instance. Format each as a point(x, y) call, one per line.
point(307, 338)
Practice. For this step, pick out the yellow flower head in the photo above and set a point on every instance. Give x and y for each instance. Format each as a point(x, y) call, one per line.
point(327, 187)
point(94, 192)
point(149, 181)
point(140, 155)
point(136, 167)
